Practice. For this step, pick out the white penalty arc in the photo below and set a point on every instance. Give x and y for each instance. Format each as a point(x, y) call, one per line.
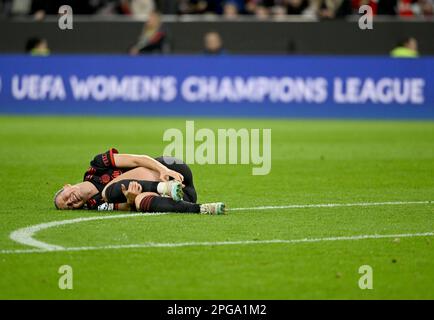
point(222, 243)
point(25, 236)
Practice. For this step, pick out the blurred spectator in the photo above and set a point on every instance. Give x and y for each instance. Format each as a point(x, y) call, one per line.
point(142, 7)
point(407, 48)
point(279, 12)
point(192, 6)
point(262, 12)
point(213, 43)
point(237, 5)
point(136, 8)
point(260, 8)
point(37, 47)
point(111, 7)
point(386, 7)
point(200, 6)
point(15, 7)
point(424, 8)
point(356, 4)
point(152, 39)
point(296, 6)
point(330, 9)
point(41, 8)
point(402, 8)
point(123, 7)
point(230, 10)
point(405, 8)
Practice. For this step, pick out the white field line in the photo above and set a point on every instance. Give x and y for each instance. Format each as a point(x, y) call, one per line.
point(333, 205)
point(26, 235)
point(223, 243)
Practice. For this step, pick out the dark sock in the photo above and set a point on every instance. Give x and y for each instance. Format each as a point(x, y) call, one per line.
point(163, 204)
point(114, 192)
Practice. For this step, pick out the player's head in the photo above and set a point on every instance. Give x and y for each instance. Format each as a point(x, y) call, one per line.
point(70, 197)
point(154, 20)
point(409, 42)
point(37, 46)
point(213, 42)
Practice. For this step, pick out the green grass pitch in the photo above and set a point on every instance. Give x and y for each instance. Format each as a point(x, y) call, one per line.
point(313, 162)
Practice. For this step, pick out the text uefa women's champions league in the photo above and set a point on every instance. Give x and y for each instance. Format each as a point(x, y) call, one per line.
point(385, 90)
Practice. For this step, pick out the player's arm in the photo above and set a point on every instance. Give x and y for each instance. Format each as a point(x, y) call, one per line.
point(134, 161)
point(115, 207)
point(134, 189)
point(124, 207)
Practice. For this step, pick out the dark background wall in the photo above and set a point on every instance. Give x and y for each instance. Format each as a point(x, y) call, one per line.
point(247, 37)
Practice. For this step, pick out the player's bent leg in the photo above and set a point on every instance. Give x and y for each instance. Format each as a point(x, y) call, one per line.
point(113, 193)
point(152, 202)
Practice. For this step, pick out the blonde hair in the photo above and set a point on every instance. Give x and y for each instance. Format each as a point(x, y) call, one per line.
point(55, 198)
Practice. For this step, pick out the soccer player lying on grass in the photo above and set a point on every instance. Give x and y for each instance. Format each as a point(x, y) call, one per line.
point(135, 182)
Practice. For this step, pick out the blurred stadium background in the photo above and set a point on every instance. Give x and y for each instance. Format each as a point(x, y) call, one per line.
point(129, 69)
point(245, 26)
point(176, 40)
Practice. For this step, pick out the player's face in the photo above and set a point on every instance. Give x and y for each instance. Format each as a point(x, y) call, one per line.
point(412, 44)
point(70, 198)
point(153, 21)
